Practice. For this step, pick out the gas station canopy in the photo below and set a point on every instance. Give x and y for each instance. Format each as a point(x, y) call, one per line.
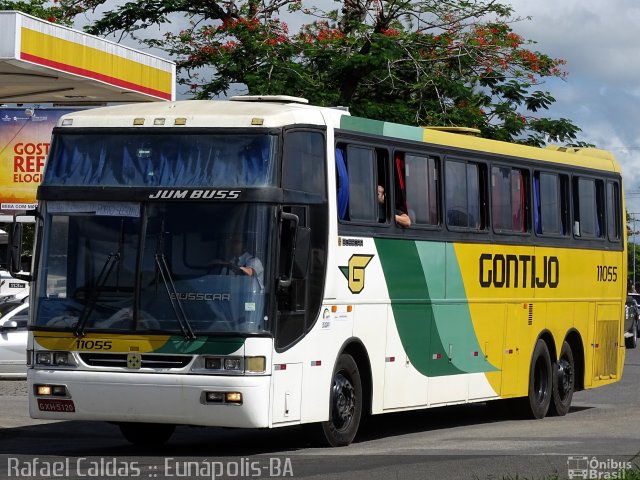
point(41, 62)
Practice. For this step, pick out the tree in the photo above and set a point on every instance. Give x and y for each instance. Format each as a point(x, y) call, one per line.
point(422, 62)
point(39, 8)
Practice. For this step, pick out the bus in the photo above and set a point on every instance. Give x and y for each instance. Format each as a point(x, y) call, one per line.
point(506, 283)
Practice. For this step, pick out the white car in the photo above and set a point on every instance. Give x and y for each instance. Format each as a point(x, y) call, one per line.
point(12, 288)
point(13, 339)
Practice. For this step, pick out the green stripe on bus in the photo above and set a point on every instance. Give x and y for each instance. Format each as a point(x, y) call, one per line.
point(363, 125)
point(430, 332)
point(376, 127)
point(202, 345)
point(403, 131)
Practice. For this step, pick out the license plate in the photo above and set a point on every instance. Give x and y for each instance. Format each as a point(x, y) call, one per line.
point(56, 405)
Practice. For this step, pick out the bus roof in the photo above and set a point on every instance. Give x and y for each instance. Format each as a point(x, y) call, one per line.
point(276, 112)
point(579, 157)
point(279, 111)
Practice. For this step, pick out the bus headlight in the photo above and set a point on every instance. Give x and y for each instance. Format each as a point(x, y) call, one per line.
point(60, 358)
point(54, 359)
point(233, 363)
point(213, 363)
point(43, 358)
point(51, 390)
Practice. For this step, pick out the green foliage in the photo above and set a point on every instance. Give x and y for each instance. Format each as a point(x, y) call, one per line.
point(421, 62)
point(41, 9)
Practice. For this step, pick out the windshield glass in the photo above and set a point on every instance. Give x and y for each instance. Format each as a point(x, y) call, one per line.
point(147, 159)
point(201, 267)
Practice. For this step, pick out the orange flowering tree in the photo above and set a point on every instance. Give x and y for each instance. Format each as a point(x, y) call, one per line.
point(421, 62)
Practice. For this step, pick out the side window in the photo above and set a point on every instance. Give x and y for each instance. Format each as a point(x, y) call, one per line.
point(303, 162)
point(362, 192)
point(588, 207)
point(356, 172)
point(401, 209)
point(421, 180)
point(613, 211)
point(464, 192)
point(551, 200)
point(508, 199)
point(382, 157)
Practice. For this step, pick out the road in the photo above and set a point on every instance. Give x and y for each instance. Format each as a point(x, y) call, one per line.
point(600, 434)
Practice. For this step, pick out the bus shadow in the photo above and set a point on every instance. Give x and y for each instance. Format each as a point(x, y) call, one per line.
point(433, 419)
point(80, 438)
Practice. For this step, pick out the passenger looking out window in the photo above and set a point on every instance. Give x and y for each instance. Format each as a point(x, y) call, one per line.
point(401, 217)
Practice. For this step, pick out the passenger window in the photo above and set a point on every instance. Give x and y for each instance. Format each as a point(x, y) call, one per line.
point(382, 190)
point(613, 211)
point(588, 207)
point(464, 192)
point(421, 175)
point(356, 173)
point(550, 198)
point(362, 193)
point(508, 199)
point(402, 211)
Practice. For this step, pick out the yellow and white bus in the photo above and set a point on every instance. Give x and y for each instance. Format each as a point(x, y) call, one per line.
point(391, 268)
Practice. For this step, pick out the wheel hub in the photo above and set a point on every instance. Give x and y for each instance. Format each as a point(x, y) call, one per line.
point(565, 377)
point(343, 401)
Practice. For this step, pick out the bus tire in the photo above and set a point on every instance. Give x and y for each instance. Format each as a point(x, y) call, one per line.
point(147, 434)
point(540, 381)
point(564, 382)
point(345, 407)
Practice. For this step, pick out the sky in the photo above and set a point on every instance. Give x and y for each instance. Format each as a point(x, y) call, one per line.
point(601, 93)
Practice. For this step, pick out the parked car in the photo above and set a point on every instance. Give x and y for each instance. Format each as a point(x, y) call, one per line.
point(631, 314)
point(13, 339)
point(12, 288)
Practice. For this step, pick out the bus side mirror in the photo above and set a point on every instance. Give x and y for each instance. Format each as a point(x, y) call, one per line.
point(14, 252)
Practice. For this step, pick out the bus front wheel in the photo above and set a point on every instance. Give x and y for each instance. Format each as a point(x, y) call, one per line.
point(345, 407)
point(147, 434)
point(540, 381)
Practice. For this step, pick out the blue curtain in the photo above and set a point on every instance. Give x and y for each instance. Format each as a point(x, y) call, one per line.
point(343, 184)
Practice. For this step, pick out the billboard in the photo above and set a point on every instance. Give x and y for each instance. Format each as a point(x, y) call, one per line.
point(25, 136)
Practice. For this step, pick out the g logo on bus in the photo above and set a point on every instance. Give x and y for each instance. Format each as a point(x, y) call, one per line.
point(134, 360)
point(354, 272)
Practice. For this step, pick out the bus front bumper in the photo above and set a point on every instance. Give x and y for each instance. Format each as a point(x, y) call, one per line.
point(150, 398)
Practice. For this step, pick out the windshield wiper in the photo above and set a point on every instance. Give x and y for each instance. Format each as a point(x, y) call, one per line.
point(172, 292)
point(109, 263)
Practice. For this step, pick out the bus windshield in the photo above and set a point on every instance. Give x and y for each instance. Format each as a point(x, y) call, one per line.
point(171, 268)
point(167, 159)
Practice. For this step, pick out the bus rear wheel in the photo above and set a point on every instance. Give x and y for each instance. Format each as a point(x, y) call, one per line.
point(563, 382)
point(147, 434)
point(540, 382)
point(345, 407)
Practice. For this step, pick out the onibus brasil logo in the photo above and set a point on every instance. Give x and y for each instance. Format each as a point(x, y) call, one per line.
point(354, 271)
